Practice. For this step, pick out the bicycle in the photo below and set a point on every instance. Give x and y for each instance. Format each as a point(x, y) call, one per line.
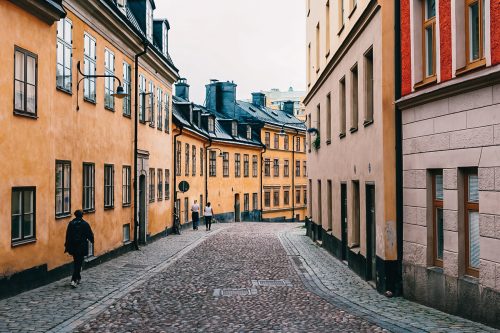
point(177, 224)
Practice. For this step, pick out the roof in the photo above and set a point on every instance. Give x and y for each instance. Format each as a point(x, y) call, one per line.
point(249, 112)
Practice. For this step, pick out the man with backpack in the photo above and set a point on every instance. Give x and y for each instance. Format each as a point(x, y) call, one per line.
point(78, 234)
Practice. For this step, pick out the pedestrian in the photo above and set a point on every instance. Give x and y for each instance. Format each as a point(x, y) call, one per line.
point(195, 213)
point(78, 236)
point(209, 213)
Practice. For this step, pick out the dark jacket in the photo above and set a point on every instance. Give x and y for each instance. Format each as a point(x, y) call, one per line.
point(78, 235)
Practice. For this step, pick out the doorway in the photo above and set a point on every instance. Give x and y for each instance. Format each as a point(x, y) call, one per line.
point(237, 216)
point(371, 245)
point(343, 219)
point(142, 209)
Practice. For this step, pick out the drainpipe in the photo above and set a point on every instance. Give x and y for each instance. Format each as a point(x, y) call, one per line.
point(399, 147)
point(136, 122)
point(175, 166)
point(206, 169)
point(262, 152)
point(293, 174)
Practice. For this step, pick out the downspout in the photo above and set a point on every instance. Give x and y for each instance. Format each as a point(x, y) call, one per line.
point(175, 166)
point(262, 152)
point(293, 174)
point(399, 147)
point(136, 122)
point(206, 169)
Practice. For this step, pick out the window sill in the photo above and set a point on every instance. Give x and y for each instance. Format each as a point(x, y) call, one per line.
point(471, 67)
point(317, 70)
point(329, 141)
point(89, 101)
point(63, 216)
point(127, 116)
point(340, 30)
point(23, 242)
point(109, 108)
point(160, 199)
point(436, 269)
point(353, 10)
point(126, 205)
point(25, 114)
point(151, 201)
point(367, 123)
point(66, 91)
point(426, 82)
point(469, 278)
point(342, 135)
point(127, 242)
point(90, 258)
point(353, 130)
point(142, 122)
point(327, 54)
point(89, 211)
point(159, 129)
point(109, 208)
point(151, 125)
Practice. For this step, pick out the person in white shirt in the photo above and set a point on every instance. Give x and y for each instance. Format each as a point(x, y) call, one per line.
point(195, 212)
point(209, 213)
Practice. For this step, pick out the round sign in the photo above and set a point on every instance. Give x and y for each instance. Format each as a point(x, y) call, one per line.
point(184, 186)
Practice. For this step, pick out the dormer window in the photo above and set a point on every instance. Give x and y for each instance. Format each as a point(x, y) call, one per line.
point(149, 21)
point(165, 39)
point(122, 4)
point(249, 132)
point(234, 128)
point(211, 124)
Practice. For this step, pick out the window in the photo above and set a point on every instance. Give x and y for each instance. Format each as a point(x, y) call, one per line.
point(472, 222)
point(305, 197)
point(213, 164)
point(356, 213)
point(193, 151)
point(437, 218)
point(318, 119)
point(276, 167)
point(126, 233)
point(160, 185)
point(342, 107)
point(159, 102)
point(202, 158)
point(151, 104)
point(267, 167)
point(63, 188)
point(126, 180)
point(142, 96)
point(23, 212)
point(429, 39)
point(88, 187)
point(276, 141)
point(249, 132)
point(320, 204)
point(267, 138)
point(165, 39)
point(89, 66)
point(341, 15)
point(254, 166)
point(234, 129)
point(304, 164)
point(211, 124)
point(152, 185)
point(201, 205)
point(297, 144)
point(186, 210)
point(25, 82)
point(127, 81)
point(167, 184)
point(109, 186)
point(297, 196)
point(474, 27)
point(276, 198)
point(318, 47)
point(109, 82)
point(237, 165)
point(167, 113)
point(328, 118)
point(225, 165)
point(178, 154)
point(354, 99)
point(286, 168)
point(309, 64)
point(246, 165)
point(327, 40)
point(186, 165)
point(309, 137)
point(64, 54)
point(267, 199)
point(286, 198)
point(246, 202)
point(297, 168)
point(255, 201)
point(329, 205)
point(149, 21)
point(286, 142)
point(368, 87)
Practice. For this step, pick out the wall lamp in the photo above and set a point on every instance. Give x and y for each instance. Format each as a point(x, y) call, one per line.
point(221, 152)
point(120, 92)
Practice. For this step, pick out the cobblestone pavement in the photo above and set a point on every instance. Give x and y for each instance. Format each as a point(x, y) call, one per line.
point(178, 284)
point(57, 307)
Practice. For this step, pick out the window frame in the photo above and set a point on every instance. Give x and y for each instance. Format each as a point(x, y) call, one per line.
point(23, 240)
point(193, 160)
point(91, 187)
point(246, 165)
point(25, 54)
point(481, 61)
point(151, 105)
point(369, 87)
point(126, 182)
point(159, 193)
point(469, 207)
point(286, 168)
point(63, 189)
point(354, 107)
point(225, 164)
point(152, 184)
point(212, 166)
point(127, 87)
point(167, 184)
point(297, 168)
point(267, 167)
point(186, 159)
point(66, 46)
point(267, 198)
point(167, 112)
point(426, 23)
point(436, 204)
point(111, 186)
point(276, 198)
point(159, 104)
point(92, 80)
point(109, 82)
point(255, 166)
point(201, 161)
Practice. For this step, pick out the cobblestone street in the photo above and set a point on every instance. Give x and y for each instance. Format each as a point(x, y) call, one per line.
point(239, 277)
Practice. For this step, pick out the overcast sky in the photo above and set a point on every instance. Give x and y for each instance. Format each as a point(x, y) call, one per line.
point(258, 44)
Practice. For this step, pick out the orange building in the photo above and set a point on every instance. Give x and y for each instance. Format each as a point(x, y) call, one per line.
point(67, 143)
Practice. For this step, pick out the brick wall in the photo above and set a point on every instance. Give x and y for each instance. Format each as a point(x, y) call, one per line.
point(495, 31)
point(445, 39)
point(405, 48)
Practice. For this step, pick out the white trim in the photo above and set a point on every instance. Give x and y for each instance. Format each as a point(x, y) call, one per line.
point(438, 44)
point(487, 32)
point(453, 40)
point(412, 43)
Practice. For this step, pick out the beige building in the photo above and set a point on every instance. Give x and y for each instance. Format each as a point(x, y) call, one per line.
point(351, 159)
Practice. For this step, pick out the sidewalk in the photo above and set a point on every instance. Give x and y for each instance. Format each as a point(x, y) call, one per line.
point(58, 308)
point(333, 281)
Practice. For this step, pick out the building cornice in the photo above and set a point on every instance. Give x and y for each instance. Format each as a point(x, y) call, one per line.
point(460, 85)
point(48, 11)
point(358, 28)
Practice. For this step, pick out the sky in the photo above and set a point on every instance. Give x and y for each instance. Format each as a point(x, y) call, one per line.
point(258, 44)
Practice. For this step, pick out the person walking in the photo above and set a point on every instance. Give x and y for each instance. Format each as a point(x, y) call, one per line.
point(195, 213)
point(209, 213)
point(78, 236)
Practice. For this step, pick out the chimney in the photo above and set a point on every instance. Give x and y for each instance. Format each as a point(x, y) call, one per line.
point(182, 89)
point(221, 97)
point(258, 99)
point(289, 107)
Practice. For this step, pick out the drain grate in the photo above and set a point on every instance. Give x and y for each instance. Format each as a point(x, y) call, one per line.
point(235, 292)
point(135, 266)
point(271, 283)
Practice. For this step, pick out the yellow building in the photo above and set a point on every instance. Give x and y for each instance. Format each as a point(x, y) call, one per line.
point(67, 143)
point(239, 183)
